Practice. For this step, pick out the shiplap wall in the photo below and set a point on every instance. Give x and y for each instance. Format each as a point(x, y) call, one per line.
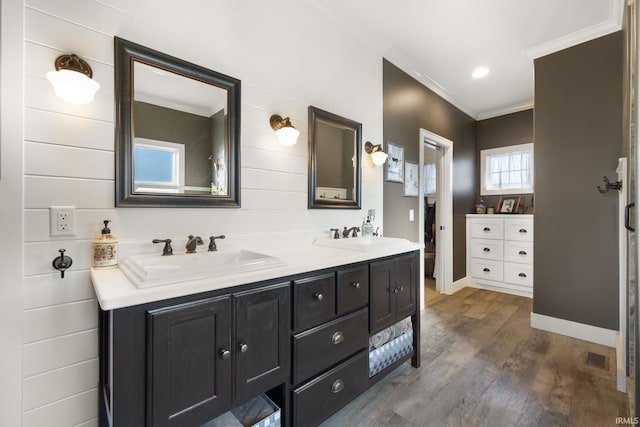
point(287, 55)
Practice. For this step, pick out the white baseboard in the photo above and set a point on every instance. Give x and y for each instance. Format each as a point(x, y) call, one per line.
point(457, 285)
point(577, 330)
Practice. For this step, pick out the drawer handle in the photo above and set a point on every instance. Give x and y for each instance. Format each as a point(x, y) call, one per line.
point(318, 297)
point(243, 348)
point(486, 229)
point(337, 337)
point(486, 270)
point(356, 285)
point(522, 253)
point(522, 230)
point(522, 275)
point(337, 386)
point(225, 354)
point(487, 250)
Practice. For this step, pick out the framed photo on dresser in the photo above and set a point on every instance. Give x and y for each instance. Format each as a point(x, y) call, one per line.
point(509, 205)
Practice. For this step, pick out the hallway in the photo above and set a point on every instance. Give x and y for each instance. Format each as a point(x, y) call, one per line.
point(483, 365)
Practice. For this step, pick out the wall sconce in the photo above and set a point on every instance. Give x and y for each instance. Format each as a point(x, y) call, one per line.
point(287, 134)
point(72, 80)
point(378, 156)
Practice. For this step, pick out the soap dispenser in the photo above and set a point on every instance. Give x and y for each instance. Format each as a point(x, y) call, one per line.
point(367, 228)
point(105, 248)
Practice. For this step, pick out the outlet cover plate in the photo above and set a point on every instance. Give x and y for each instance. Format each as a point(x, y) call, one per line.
point(62, 221)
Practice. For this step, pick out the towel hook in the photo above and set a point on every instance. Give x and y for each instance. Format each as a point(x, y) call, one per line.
point(609, 185)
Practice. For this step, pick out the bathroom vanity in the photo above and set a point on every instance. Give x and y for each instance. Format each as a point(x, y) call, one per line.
point(182, 354)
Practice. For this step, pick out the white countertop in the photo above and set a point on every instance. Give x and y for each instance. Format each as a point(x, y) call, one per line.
point(114, 290)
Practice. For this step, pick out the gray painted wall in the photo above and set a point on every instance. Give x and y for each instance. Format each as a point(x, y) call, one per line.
point(409, 106)
point(578, 138)
point(502, 131)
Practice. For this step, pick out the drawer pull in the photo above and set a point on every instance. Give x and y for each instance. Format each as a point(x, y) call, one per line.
point(243, 348)
point(522, 253)
point(486, 270)
point(522, 230)
point(486, 229)
point(356, 285)
point(337, 337)
point(318, 297)
point(337, 386)
point(522, 275)
point(225, 354)
point(487, 250)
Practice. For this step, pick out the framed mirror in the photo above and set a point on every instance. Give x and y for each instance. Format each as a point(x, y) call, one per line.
point(177, 131)
point(335, 145)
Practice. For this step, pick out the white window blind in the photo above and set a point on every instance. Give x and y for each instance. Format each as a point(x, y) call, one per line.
point(507, 170)
point(430, 178)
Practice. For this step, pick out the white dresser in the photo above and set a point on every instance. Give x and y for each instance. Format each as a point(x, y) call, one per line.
point(500, 253)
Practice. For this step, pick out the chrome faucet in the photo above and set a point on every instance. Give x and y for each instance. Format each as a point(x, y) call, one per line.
point(212, 242)
point(192, 243)
point(353, 231)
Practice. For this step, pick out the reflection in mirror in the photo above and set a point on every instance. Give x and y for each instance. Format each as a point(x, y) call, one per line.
point(334, 152)
point(177, 131)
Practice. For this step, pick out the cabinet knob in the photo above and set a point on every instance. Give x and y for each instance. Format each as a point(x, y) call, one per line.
point(522, 253)
point(522, 275)
point(401, 288)
point(396, 290)
point(486, 229)
point(337, 337)
point(337, 386)
point(243, 347)
point(318, 297)
point(356, 285)
point(486, 270)
point(225, 354)
point(487, 250)
point(522, 230)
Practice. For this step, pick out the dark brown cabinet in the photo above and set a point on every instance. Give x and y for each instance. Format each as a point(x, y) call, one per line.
point(392, 292)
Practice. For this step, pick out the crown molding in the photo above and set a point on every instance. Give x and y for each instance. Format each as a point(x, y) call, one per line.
point(506, 110)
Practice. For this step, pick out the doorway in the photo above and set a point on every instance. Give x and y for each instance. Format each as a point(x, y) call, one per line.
point(436, 212)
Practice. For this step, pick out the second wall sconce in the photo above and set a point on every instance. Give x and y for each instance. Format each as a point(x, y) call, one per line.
point(287, 134)
point(72, 80)
point(378, 156)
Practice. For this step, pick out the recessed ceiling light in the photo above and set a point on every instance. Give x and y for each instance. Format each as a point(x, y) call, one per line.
point(480, 72)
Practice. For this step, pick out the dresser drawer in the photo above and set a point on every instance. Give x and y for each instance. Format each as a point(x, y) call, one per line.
point(314, 401)
point(519, 230)
point(487, 228)
point(353, 289)
point(521, 252)
point(486, 269)
point(323, 346)
point(487, 249)
point(314, 300)
point(518, 274)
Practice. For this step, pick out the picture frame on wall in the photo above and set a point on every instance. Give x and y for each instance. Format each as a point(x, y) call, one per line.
point(411, 179)
point(509, 205)
point(395, 163)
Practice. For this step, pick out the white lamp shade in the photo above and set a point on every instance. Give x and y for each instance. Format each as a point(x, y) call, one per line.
point(72, 86)
point(288, 135)
point(379, 157)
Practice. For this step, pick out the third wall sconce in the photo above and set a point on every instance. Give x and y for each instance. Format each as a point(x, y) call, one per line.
point(287, 134)
point(72, 80)
point(378, 156)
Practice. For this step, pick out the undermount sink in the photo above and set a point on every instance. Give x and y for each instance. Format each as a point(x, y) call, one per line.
point(154, 270)
point(363, 244)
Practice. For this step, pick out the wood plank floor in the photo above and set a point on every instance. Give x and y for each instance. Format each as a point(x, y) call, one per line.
point(483, 365)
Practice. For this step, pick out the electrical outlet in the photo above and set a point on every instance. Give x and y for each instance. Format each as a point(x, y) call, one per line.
point(62, 220)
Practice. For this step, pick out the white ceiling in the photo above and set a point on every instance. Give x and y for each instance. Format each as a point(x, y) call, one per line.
point(440, 42)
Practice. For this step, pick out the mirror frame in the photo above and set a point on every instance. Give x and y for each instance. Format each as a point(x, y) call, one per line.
point(125, 54)
point(314, 114)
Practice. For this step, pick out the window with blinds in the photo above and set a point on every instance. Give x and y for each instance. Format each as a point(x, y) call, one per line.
point(507, 170)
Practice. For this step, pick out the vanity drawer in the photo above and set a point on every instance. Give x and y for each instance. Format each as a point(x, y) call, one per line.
point(314, 300)
point(518, 274)
point(486, 269)
point(323, 346)
point(521, 252)
point(487, 249)
point(316, 400)
point(519, 230)
point(487, 228)
point(353, 289)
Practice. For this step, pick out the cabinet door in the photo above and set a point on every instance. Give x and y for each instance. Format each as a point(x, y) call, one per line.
point(406, 286)
point(188, 371)
point(381, 302)
point(262, 345)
